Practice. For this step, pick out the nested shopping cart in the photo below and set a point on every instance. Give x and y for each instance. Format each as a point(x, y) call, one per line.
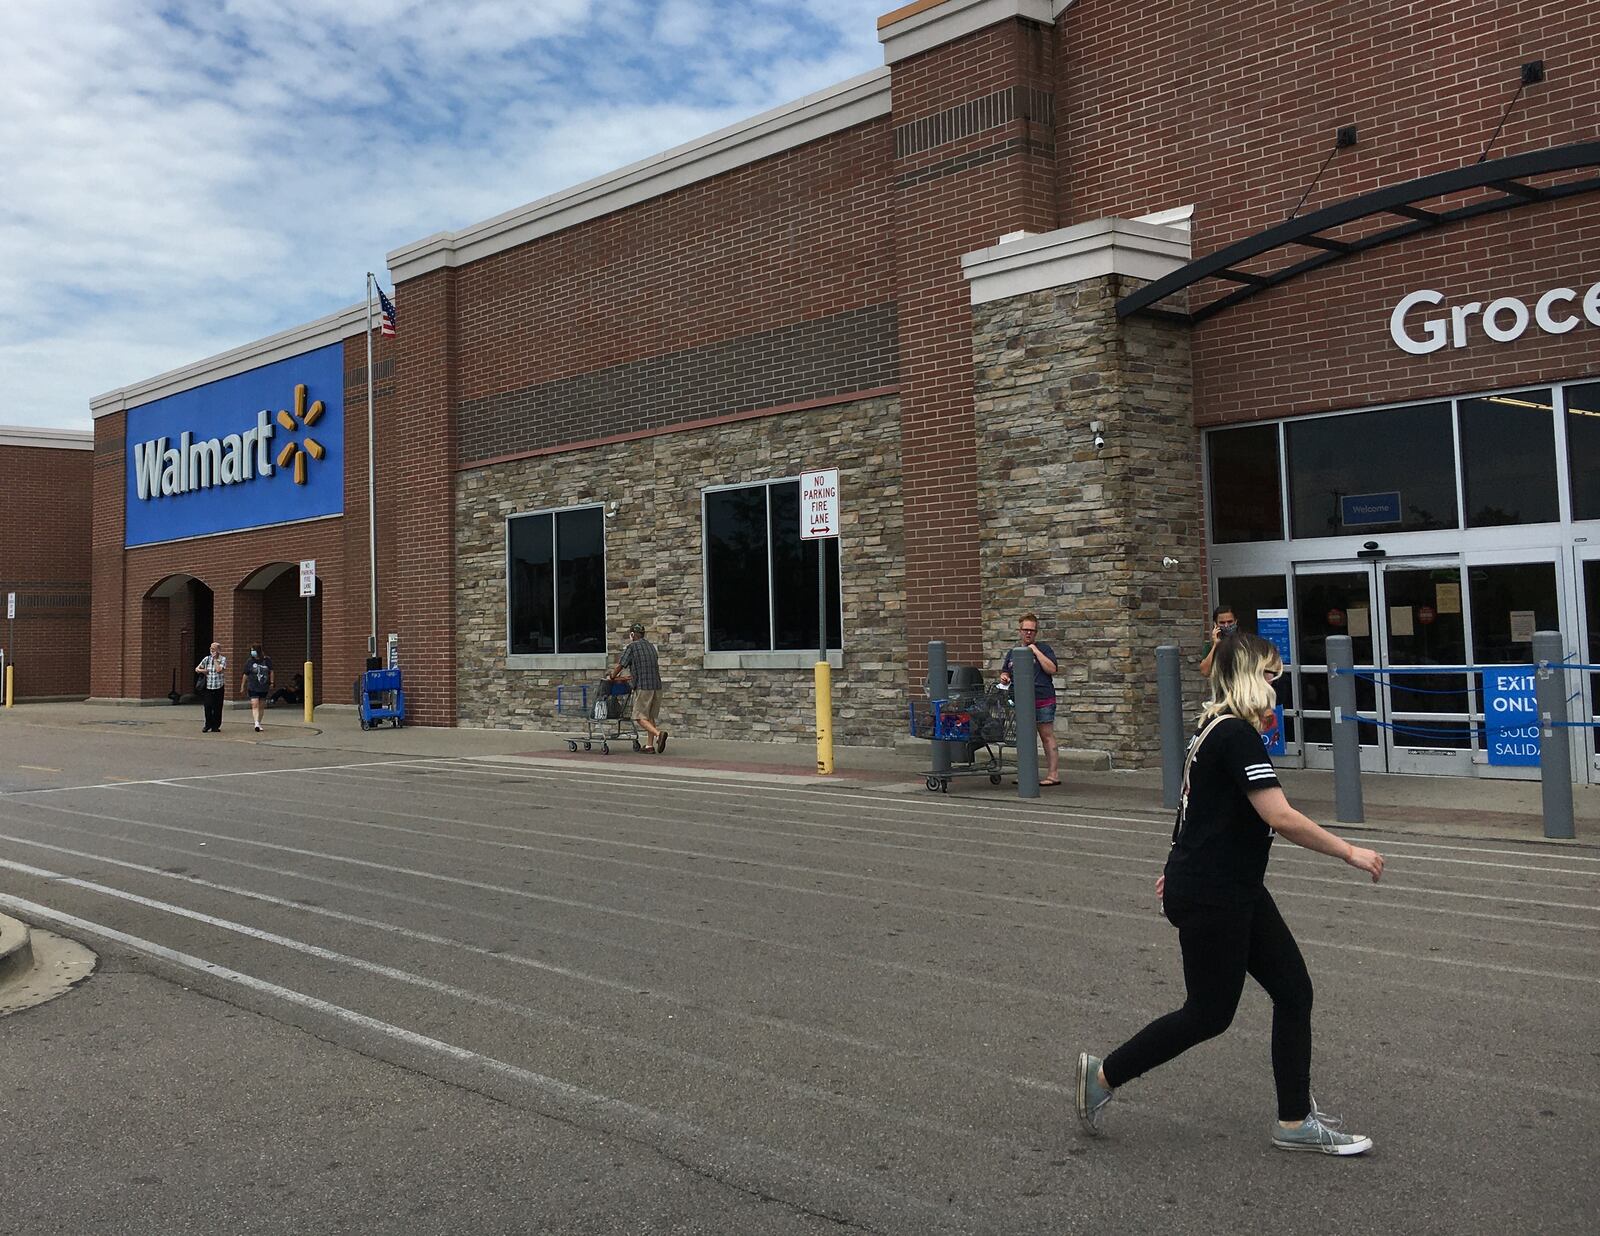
point(604, 710)
point(977, 723)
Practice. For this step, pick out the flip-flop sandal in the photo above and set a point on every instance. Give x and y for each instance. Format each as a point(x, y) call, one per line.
point(1050, 782)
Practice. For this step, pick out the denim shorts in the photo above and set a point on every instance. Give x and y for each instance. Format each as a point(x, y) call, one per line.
point(1044, 713)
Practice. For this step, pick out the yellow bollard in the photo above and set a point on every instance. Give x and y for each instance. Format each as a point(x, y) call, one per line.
point(824, 719)
point(311, 694)
point(10, 670)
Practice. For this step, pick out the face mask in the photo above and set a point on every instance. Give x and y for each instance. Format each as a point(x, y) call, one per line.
point(1227, 628)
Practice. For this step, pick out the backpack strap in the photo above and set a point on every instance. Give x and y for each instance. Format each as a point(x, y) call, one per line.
point(1188, 763)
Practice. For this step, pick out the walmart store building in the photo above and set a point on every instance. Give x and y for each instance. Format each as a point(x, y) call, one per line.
point(1040, 289)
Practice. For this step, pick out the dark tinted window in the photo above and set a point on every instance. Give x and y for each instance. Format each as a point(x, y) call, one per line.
point(581, 580)
point(1583, 449)
point(794, 575)
point(737, 595)
point(557, 582)
point(761, 578)
point(1508, 459)
point(1511, 601)
point(532, 585)
point(1347, 473)
point(1246, 499)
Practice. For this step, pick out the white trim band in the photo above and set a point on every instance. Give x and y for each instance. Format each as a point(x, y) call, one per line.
point(307, 337)
point(47, 439)
point(1072, 254)
point(932, 27)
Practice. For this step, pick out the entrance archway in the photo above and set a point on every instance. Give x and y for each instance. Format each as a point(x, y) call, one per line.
point(176, 628)
point(270, 614)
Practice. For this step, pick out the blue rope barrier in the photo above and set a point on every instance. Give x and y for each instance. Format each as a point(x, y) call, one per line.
point(1395, 686)
point(1471, 669)
point(1469, 729)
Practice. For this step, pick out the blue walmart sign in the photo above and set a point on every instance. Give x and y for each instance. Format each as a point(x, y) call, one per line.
point(263, 447)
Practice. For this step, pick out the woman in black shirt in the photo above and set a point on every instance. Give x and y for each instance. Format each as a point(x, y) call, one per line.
point(1228, 925)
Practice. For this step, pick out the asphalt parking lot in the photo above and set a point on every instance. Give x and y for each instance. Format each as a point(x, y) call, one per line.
point(506, 994)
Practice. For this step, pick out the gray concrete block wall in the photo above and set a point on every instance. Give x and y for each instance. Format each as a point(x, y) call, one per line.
point(654, 573)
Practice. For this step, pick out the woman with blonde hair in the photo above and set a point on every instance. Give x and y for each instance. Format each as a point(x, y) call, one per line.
point(1213, 892)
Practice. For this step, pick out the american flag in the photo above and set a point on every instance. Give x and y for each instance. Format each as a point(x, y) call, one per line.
point(387, 329)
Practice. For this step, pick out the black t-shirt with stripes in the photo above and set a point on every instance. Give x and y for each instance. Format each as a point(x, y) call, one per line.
point(1220, 856)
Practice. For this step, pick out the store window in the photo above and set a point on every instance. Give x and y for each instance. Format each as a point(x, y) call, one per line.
point(1509, 603)
point(761, 578)
point(1246, 496)
point(1583, 449)
point(1373, 472)
point(556, 582)
point(1508, 459)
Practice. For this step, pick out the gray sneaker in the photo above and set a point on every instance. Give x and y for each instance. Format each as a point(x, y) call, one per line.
point(1092, 1097)
point(1322, 1133)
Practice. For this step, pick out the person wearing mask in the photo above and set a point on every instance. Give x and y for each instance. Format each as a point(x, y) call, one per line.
point(215, 668)
point(1213, 891)
point(1044, 693)
point(256, 682)
point(1223, 624)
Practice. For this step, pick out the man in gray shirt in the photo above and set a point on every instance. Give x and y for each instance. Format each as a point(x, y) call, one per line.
point(641, 666)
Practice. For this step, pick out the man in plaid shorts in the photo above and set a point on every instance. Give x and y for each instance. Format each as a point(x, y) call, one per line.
point(641, 666)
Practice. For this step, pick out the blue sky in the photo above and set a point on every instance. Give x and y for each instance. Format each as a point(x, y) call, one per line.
point(183, 178)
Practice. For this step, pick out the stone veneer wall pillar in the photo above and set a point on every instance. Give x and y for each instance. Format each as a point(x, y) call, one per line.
point(1073, 533)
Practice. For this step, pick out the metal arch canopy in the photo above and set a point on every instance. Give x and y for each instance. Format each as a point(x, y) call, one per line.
point(1399, 200)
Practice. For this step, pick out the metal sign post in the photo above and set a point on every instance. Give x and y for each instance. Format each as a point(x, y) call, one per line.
point(819, 522)
point(11, 640)
point(308, 589)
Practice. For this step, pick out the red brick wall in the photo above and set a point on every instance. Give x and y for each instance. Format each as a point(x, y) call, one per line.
point(1232, 105)
point(792, 238)
point(951, 199)
point(107, 623)
point(416, 467)
point(45, 499)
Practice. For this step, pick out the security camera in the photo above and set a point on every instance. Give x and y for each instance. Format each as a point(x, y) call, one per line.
point(1167, 563)
point(1099, 442)
point(611, 510)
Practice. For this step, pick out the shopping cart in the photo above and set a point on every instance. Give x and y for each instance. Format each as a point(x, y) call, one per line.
point(604, 710)
point(977, 723)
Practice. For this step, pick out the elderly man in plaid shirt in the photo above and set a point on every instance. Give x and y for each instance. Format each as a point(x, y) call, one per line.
point(641, 666)
point(215, 668)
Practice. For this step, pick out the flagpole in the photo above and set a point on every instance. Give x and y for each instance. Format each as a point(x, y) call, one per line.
point(372, 512)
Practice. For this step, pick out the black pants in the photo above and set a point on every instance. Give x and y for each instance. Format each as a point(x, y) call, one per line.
point(212, 698)
point(1220, 946)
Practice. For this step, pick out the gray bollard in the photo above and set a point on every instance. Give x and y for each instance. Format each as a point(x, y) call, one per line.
point(1169, 698)
point(1347, 806)
point(1555, 745)
point(939, 689)
point(1022, 671)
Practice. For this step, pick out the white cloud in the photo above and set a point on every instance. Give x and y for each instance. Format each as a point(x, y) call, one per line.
point(188, 176)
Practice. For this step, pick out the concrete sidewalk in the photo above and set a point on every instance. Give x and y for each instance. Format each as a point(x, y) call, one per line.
point(1441, 806)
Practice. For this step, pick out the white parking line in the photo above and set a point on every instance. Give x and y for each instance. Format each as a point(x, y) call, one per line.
point(676, 1134)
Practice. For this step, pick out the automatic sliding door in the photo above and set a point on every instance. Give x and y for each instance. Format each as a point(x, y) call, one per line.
point(1335, 601)
point(1429, 715)
point(1508, 602)
point(1589, 651)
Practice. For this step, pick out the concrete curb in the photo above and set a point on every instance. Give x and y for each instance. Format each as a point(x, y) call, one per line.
point(16, 948)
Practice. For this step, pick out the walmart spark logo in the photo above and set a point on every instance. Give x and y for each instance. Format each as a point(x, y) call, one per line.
point(295, 450)
point(162, 471)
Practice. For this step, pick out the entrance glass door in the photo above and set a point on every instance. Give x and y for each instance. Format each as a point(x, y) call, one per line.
point(1335, 599)
point(1428, 715)
point(1588, 644)
point(1408, 616)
